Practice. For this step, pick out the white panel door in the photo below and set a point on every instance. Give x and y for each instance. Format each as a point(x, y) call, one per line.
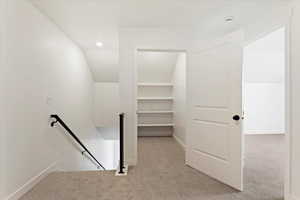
point(214, 88)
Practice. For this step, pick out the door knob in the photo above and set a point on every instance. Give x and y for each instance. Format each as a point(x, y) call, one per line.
point(236, 117)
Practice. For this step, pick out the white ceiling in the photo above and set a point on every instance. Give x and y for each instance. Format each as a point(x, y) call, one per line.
point(89, 21)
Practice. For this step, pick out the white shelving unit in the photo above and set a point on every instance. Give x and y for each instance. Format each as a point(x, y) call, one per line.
point(161, 90)
point(155, 125)
point(154, 98)
point(155, 84)
point(155, 114)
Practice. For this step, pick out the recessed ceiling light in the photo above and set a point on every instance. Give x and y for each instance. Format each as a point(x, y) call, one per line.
point(229, 19)
point(99, 44)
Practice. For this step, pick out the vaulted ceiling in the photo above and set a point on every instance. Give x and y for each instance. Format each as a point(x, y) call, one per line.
point(89, 21)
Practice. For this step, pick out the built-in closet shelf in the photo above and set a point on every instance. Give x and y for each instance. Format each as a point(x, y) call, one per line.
point(154, 98)
point(155, 125)
point(155, 112)
point(155, 84)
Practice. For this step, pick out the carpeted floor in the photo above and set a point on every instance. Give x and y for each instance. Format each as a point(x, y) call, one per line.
point(162, 175)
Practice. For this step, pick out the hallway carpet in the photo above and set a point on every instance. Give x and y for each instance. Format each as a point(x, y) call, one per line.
point(162, 175)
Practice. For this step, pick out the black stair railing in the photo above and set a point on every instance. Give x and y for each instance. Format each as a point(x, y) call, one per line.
point(122, 167)
point(61, 122)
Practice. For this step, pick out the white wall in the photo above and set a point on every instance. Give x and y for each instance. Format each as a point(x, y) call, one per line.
point(44, 72)
point(106, 104)
point(264, 69)
point(179, 94)
point(295, 106)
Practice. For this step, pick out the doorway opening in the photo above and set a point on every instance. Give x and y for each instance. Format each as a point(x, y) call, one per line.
point(161, 94)
point(264, 113)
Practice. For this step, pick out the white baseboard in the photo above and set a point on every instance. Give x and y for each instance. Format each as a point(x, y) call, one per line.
point(179, 141)
point(31, 183)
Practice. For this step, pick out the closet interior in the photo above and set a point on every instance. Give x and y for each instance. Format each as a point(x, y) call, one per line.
point(160, 92)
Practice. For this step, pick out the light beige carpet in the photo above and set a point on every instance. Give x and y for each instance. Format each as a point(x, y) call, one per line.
point(162, 175)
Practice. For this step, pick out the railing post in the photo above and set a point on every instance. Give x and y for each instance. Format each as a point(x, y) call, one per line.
point(121, 170)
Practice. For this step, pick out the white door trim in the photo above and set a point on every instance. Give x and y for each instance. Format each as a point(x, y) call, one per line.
point(288, 135)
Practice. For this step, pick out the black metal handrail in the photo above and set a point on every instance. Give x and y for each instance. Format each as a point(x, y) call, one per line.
point(122, 167)
point(58, 119)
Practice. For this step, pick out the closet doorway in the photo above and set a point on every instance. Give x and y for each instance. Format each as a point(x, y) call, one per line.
point(161, 93)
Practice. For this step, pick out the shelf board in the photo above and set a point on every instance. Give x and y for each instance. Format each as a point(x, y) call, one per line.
point(156, 84)
point(155, 125)
point(155, 112)
point(154, 98)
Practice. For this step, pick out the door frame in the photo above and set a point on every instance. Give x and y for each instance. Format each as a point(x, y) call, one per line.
point(288, 103)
